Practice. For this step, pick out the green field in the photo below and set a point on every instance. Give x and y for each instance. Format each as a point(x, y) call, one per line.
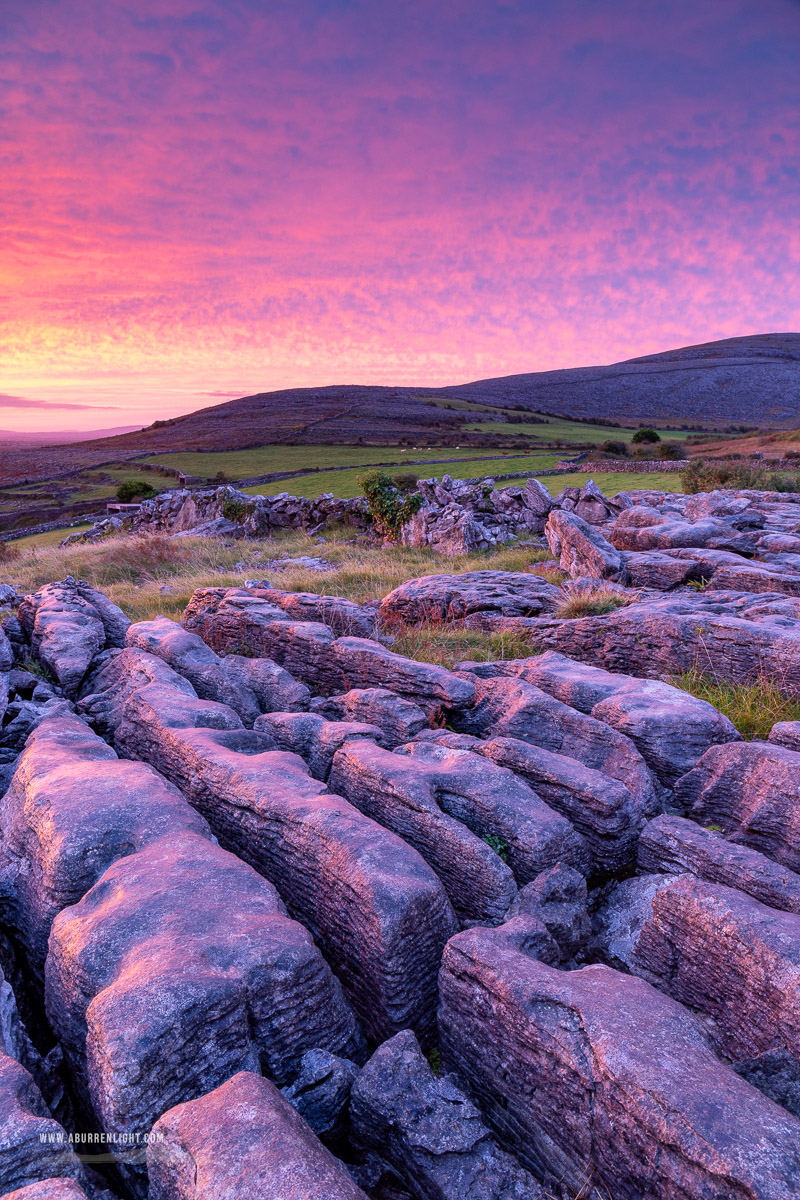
point(572, 431)
point(344, 484)
point(617, 481)
point(51, 538)
point(262, 460)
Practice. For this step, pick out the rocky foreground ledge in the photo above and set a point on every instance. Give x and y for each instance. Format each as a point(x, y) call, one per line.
point(286, 914)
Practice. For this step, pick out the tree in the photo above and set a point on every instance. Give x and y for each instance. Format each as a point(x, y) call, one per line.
point(645, 435)
point(133, 489)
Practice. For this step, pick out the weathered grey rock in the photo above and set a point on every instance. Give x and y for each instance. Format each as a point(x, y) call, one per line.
point(751, 792)
point(343, 617)
point(321, 1092)
point(244, 623)
point(514, 708)
point(453, 597)
point(188, 654)
point(33, 1146)
point(379, 912)
point(537, 498)
point(674, 845)
point(242, 1141)
point(601, 808)
point(428, 1130)
point(312, 737)
point(755, 577)
point(6, 652)
point(581, 549)
point(399, 720)
point(49, 1189)
point(72, 809)
point(558, 898)
point(67, 624)
point(668, 535)
point(671, 728)
point(785, 733)
point(116, 677)
point(723, 634)
point(275, 690)
point(178, 968)
point(715, 949)
point(777, 1075)
point(447, 803)
point(592, 1074)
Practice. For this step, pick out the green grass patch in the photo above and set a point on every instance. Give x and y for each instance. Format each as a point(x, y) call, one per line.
point(611, 482)
point(52, 538)
point(753, 708)
point(572, 431)
point(344, 484)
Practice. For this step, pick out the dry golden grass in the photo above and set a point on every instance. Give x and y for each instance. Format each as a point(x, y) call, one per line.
point(447, 645)
point(589, 602)
point(753, 708)
point(132, 571)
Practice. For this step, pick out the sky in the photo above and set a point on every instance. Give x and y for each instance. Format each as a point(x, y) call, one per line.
point(202, 199)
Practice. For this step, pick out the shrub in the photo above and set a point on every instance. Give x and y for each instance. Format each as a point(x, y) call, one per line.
point(498, 844)
point(618, 449)
point(387, 507)
point(234, 509)
point(131, 489)
point(704, 475)
point(645, 435)
point(406, 481)
point(8, 552)
point(669, 451)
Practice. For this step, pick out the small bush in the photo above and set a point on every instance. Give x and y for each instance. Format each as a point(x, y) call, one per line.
point(617, 449)
point(387, 506)
point(669, 451)
point(645, 435)
point(706, 474)
point(8, 552)
point(592, 603)
point(406, 481)
point(133, 489)
point(234, 509)
point(498, 844)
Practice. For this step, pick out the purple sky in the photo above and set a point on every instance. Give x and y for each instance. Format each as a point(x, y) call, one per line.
point(202, 198)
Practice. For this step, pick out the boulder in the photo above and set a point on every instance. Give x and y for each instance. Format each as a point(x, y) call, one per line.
point(177, 969)
point(729, 638)
point(537, 498)
point(343, 617)
point(581, 549)
point(557, 898)
point(240, 1141)
point(674, 845)
point(399, 720)
point(776, 1074)
point(514, 708)
point(473, 821)
point(429, 1132)
point(33, 1146)
point(601, 809)
point(67, 624)
point(715, 949)
point(312, 737)
point(188, 654)
point(785, 733)
point(321, 1092)
point(366, 664)
point(318, 850)
point(671, 728)
point(49, 1189)
point(453, 597)
point(115, 677)
point(591, 1074)
point(6, 652)
point(751, 792)
point(72, 809)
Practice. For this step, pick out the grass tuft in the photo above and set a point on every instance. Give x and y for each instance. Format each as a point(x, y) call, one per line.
point(753, 708)
point(590, 603)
